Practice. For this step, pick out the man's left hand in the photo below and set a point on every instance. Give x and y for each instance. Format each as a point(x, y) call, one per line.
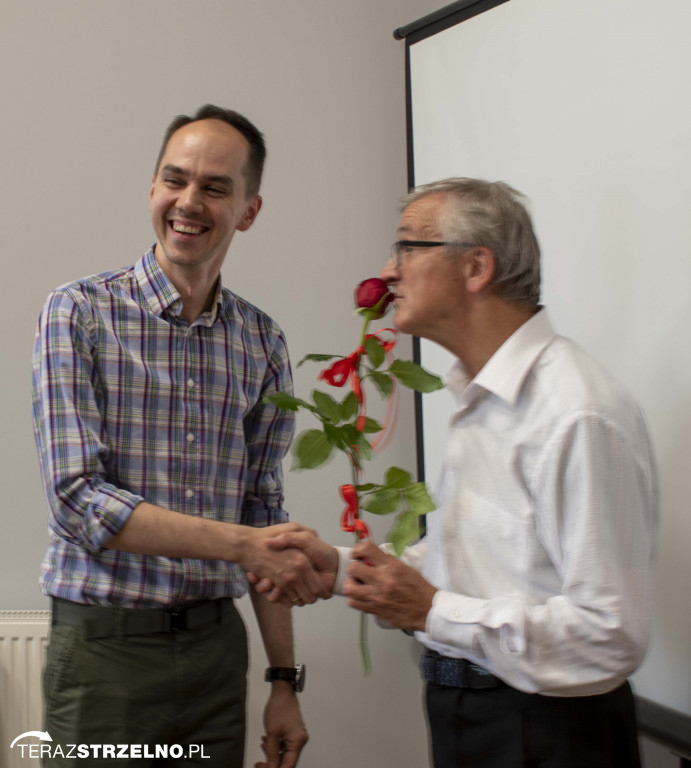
point(383, 585)
point(286, 734)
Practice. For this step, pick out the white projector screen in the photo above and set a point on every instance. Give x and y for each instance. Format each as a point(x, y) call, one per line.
point(584, 106)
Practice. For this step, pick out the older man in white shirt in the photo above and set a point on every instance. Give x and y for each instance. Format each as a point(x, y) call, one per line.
point(531, 591)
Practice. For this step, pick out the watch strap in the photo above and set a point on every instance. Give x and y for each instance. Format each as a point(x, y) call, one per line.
point(293, 675)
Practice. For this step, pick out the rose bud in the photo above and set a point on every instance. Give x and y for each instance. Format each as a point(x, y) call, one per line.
point(373, 294)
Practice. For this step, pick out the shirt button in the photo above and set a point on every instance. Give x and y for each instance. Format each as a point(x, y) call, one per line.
point(190, 437)
point(190, 383)
point(189, 493)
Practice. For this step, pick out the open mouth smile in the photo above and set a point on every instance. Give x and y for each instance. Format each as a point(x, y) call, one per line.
point(187, 229)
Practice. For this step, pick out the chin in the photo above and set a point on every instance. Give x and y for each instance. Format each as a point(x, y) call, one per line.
point(400, 322)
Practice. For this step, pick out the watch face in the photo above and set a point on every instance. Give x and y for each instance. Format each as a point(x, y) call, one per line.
point(299, 683)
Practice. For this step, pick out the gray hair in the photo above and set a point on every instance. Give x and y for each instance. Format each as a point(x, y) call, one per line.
point(494, 215)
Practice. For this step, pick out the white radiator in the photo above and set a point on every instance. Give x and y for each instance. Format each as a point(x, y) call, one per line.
point(23, 640)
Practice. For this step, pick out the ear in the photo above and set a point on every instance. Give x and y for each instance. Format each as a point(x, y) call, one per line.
point(253, 208)
point(479, 269)
point(151, 188)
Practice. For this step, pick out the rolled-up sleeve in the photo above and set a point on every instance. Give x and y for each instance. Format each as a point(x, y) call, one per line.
point(68, 407)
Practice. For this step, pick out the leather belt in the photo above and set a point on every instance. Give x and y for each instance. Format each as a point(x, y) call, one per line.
point(456, 673)
point(103, 621)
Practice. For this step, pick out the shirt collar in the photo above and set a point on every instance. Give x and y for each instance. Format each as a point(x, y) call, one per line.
point(158, 290)
point(504, 373)
point(210, 317)
point(162, 295)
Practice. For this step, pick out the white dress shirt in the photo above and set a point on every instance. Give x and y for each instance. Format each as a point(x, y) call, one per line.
point(542, 549)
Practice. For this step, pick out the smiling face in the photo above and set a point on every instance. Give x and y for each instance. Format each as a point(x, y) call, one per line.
point(429, 285)
point(198, 198)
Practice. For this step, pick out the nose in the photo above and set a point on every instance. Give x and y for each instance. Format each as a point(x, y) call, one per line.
point(190, 199)
point(390, 272)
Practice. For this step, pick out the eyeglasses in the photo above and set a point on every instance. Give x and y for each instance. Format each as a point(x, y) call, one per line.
point(401, 248)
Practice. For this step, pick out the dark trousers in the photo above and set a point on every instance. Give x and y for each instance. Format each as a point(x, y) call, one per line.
point(505, 728)
point(181, 694)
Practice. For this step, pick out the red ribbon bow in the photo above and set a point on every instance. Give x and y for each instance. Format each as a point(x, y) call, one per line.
point(337, 374)
point(350, 522)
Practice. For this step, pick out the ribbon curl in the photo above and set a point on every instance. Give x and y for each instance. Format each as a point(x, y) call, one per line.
point(388, 345)
point(348, 368)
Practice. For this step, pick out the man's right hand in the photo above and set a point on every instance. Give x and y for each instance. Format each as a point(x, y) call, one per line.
point(288, 561)
point(323, 556)
point(154, 530)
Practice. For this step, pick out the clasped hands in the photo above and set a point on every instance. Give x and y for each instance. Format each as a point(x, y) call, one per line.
point(377, 583)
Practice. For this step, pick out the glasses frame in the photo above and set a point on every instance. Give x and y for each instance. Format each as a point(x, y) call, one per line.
point(397, 252)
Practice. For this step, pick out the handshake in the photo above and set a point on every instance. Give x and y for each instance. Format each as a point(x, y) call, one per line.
point(293, 566)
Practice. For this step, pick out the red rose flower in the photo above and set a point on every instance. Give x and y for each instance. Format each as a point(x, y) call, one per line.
point(373, 294)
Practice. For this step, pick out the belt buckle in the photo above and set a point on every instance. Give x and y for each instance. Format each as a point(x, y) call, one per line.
point(178, 621)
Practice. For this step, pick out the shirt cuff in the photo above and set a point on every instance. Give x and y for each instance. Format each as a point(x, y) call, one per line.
point(344, 558)
point(109, 510)
point(455, 619)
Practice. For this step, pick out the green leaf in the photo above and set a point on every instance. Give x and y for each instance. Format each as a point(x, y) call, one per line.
point(372, 426)
point(383, 382)
point(382, 502)
point(404, 531)
point(350, 434)
point(346, 438)
point(374, 351)
point(327, 407)
point(397, 478)
point(367, 487)
point(336, 437)
point(415, 376)
point(311, 449)
point(317, 358)
point(349, 406)
point(419, 500)
point(286, 402)
point(364, 448)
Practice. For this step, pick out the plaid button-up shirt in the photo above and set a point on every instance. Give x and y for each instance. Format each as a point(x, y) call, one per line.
point(131, 404)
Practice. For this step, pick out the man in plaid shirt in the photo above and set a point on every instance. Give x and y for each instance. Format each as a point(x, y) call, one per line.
point(162, 469)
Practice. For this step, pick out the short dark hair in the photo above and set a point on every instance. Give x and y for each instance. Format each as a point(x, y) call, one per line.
point(257, 147)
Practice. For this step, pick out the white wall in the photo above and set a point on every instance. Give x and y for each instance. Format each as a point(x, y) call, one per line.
point(582, 106)
point(88, 88)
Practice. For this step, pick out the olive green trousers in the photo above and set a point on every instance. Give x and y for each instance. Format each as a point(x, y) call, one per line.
point(156, 699)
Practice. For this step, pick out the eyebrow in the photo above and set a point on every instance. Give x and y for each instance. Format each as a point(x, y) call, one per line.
point(214, 178)
point(408, 233)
